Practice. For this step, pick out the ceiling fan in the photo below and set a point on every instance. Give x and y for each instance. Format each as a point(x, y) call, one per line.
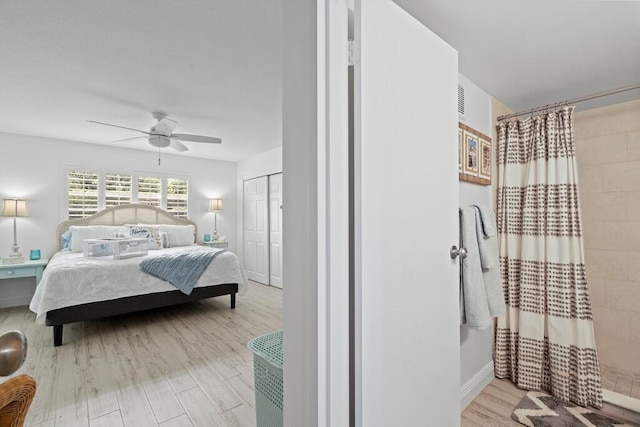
point(161, 134)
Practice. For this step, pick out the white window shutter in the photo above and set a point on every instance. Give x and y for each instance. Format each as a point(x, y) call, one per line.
point(150, 191)
point(117, 189)
point(177, 197)
point(82, 193)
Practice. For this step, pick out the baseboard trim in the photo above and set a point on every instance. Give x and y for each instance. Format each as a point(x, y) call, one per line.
point(621, 400)
point(474, 386)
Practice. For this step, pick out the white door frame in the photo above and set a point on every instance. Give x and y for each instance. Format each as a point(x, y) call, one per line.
point(313, 345)
point(315, 239)
point(333, 222)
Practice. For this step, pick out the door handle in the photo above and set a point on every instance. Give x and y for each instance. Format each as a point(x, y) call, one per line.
point(455, 252)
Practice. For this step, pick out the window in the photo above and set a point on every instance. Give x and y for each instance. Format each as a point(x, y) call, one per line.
point(83, 194)
point(117, 189)
point(150, 191)
point(90, 191)
point(177, 192)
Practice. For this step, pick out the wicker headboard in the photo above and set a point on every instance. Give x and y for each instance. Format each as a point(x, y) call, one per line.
point(124, 214)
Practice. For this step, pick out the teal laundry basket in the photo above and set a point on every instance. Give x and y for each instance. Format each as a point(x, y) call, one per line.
point(267, 373)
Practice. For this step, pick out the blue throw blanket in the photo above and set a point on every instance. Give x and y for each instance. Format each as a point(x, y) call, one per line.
point(181, 269)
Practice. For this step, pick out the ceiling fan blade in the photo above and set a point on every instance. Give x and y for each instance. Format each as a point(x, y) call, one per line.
point(116, 126)
point(177, 145)
point(196, 138)
point(164, 126)
point(130, 139)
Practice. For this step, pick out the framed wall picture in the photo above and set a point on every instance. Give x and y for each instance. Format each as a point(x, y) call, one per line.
point(485, 159)
point(460, 151)
point(471, 153)
point(474, 156)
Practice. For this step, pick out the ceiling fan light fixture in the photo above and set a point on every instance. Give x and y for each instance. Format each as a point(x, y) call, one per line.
point(165, 126)
point(159, 141)
point(161, 135)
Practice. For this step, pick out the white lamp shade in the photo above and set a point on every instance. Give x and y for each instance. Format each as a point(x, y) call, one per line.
point(215, 205)
point(14, 207)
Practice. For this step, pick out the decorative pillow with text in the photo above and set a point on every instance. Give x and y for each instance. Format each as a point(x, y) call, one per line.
point(148, 231)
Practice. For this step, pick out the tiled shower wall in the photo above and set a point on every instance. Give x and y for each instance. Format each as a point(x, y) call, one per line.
point(608, 153)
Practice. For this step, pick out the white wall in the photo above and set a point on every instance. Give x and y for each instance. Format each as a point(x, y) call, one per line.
point(262, 164)
point(33, 168)
point(266, 163)
point(300, 239)
point(476, 347)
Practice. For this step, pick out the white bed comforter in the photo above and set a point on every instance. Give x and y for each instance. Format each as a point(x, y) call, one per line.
point(72, 279)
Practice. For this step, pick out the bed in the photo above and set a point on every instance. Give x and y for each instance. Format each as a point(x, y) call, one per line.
point(76, 288)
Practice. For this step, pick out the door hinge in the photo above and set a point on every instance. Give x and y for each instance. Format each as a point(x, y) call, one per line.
point(354, 52)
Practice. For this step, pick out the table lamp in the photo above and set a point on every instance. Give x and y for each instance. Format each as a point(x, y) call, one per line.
point(14, 208)
point(215, 206)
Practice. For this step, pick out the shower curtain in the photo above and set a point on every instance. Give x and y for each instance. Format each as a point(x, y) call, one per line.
point(546, 339)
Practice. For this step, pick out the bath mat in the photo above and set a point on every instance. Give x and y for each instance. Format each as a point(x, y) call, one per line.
point(538, 409)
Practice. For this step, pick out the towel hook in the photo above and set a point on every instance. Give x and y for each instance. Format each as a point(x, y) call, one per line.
point(455, 252)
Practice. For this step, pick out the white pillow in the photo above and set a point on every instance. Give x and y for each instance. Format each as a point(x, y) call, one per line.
point(151, 232)
point(81, 232)
point(179, 235)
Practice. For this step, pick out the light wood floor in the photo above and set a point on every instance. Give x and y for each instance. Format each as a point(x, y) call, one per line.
point(493, 407)
point(186, 365)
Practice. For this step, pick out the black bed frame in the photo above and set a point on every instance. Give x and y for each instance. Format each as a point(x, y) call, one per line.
point(97, 310)
point(129, 214)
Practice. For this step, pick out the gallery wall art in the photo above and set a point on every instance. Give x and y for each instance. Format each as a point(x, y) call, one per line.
point(474, 156)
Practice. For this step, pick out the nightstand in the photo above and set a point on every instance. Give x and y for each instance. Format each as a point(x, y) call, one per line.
point(26, 269)
point(217, 244)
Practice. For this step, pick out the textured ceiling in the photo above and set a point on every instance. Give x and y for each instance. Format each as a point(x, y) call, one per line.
point(215, 66)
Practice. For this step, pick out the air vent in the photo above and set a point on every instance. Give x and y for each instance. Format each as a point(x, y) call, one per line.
point(461, 100)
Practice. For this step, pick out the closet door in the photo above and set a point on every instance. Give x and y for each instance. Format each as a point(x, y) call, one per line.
point(275, 230)
point(256, 226)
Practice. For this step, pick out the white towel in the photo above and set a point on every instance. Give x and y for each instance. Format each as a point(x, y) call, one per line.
point(489, 261)
point(488, 227)
point(473, 290)
point(487, 242)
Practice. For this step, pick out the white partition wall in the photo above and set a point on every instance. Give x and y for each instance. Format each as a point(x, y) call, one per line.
point(300, 138)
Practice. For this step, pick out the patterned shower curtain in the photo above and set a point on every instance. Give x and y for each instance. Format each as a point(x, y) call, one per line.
point(546, 339)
